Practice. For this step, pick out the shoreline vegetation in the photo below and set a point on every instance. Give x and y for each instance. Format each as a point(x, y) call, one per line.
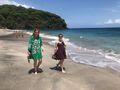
point(15, 71)
point(18, 17)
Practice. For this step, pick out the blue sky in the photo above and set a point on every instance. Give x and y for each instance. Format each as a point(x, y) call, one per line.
point(78, 13)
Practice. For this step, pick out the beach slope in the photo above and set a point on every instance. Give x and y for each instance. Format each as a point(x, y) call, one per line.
point(16, 72)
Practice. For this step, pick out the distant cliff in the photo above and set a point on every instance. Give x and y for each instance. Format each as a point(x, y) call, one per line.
point(13, 17)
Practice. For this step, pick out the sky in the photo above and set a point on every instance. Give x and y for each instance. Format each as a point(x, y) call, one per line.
point(77, 13)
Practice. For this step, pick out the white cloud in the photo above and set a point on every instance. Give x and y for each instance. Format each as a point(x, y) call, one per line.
point(12, 2)
point(110, 21)
point(117, 21)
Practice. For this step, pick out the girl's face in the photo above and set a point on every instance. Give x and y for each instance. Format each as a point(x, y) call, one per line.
point(60, 38)
point(36, 33)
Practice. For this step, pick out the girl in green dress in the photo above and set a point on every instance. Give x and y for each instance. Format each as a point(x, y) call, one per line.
point(35, 49)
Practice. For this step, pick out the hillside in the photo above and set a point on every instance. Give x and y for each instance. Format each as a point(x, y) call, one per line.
point(13, 17)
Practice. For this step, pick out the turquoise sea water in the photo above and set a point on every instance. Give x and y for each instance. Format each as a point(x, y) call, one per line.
point(93, 46)
point(107, 39)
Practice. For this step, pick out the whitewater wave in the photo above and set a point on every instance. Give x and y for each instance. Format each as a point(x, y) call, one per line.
point(98, 58)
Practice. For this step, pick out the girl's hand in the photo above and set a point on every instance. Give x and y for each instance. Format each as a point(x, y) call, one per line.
point(55, 50)
point(29, 53)
point(28, 61)
point(28, 57)
point(42, 49)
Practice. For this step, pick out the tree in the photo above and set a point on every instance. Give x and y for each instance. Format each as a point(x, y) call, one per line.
point(14, 17)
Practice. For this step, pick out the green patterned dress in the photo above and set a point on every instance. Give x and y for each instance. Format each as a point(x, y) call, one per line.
point(34, 47)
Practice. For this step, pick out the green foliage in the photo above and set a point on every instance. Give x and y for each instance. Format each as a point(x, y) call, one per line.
point(14, 17)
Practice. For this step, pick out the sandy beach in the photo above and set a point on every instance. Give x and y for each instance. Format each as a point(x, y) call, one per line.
point(16, 72)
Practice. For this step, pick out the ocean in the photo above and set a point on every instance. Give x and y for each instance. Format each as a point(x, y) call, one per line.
point(98, 47)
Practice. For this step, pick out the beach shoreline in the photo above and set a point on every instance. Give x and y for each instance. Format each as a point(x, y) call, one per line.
point(14, 70)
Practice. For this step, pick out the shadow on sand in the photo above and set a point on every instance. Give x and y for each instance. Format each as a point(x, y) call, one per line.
point(33, 71)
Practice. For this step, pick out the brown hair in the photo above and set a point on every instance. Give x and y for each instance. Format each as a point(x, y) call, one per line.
point(60, 35)
point(36, 29)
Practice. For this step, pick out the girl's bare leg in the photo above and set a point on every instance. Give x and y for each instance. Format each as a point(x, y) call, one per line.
point(58, 63)
point(35, 66)
point(61, 65)
point(39, 63)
